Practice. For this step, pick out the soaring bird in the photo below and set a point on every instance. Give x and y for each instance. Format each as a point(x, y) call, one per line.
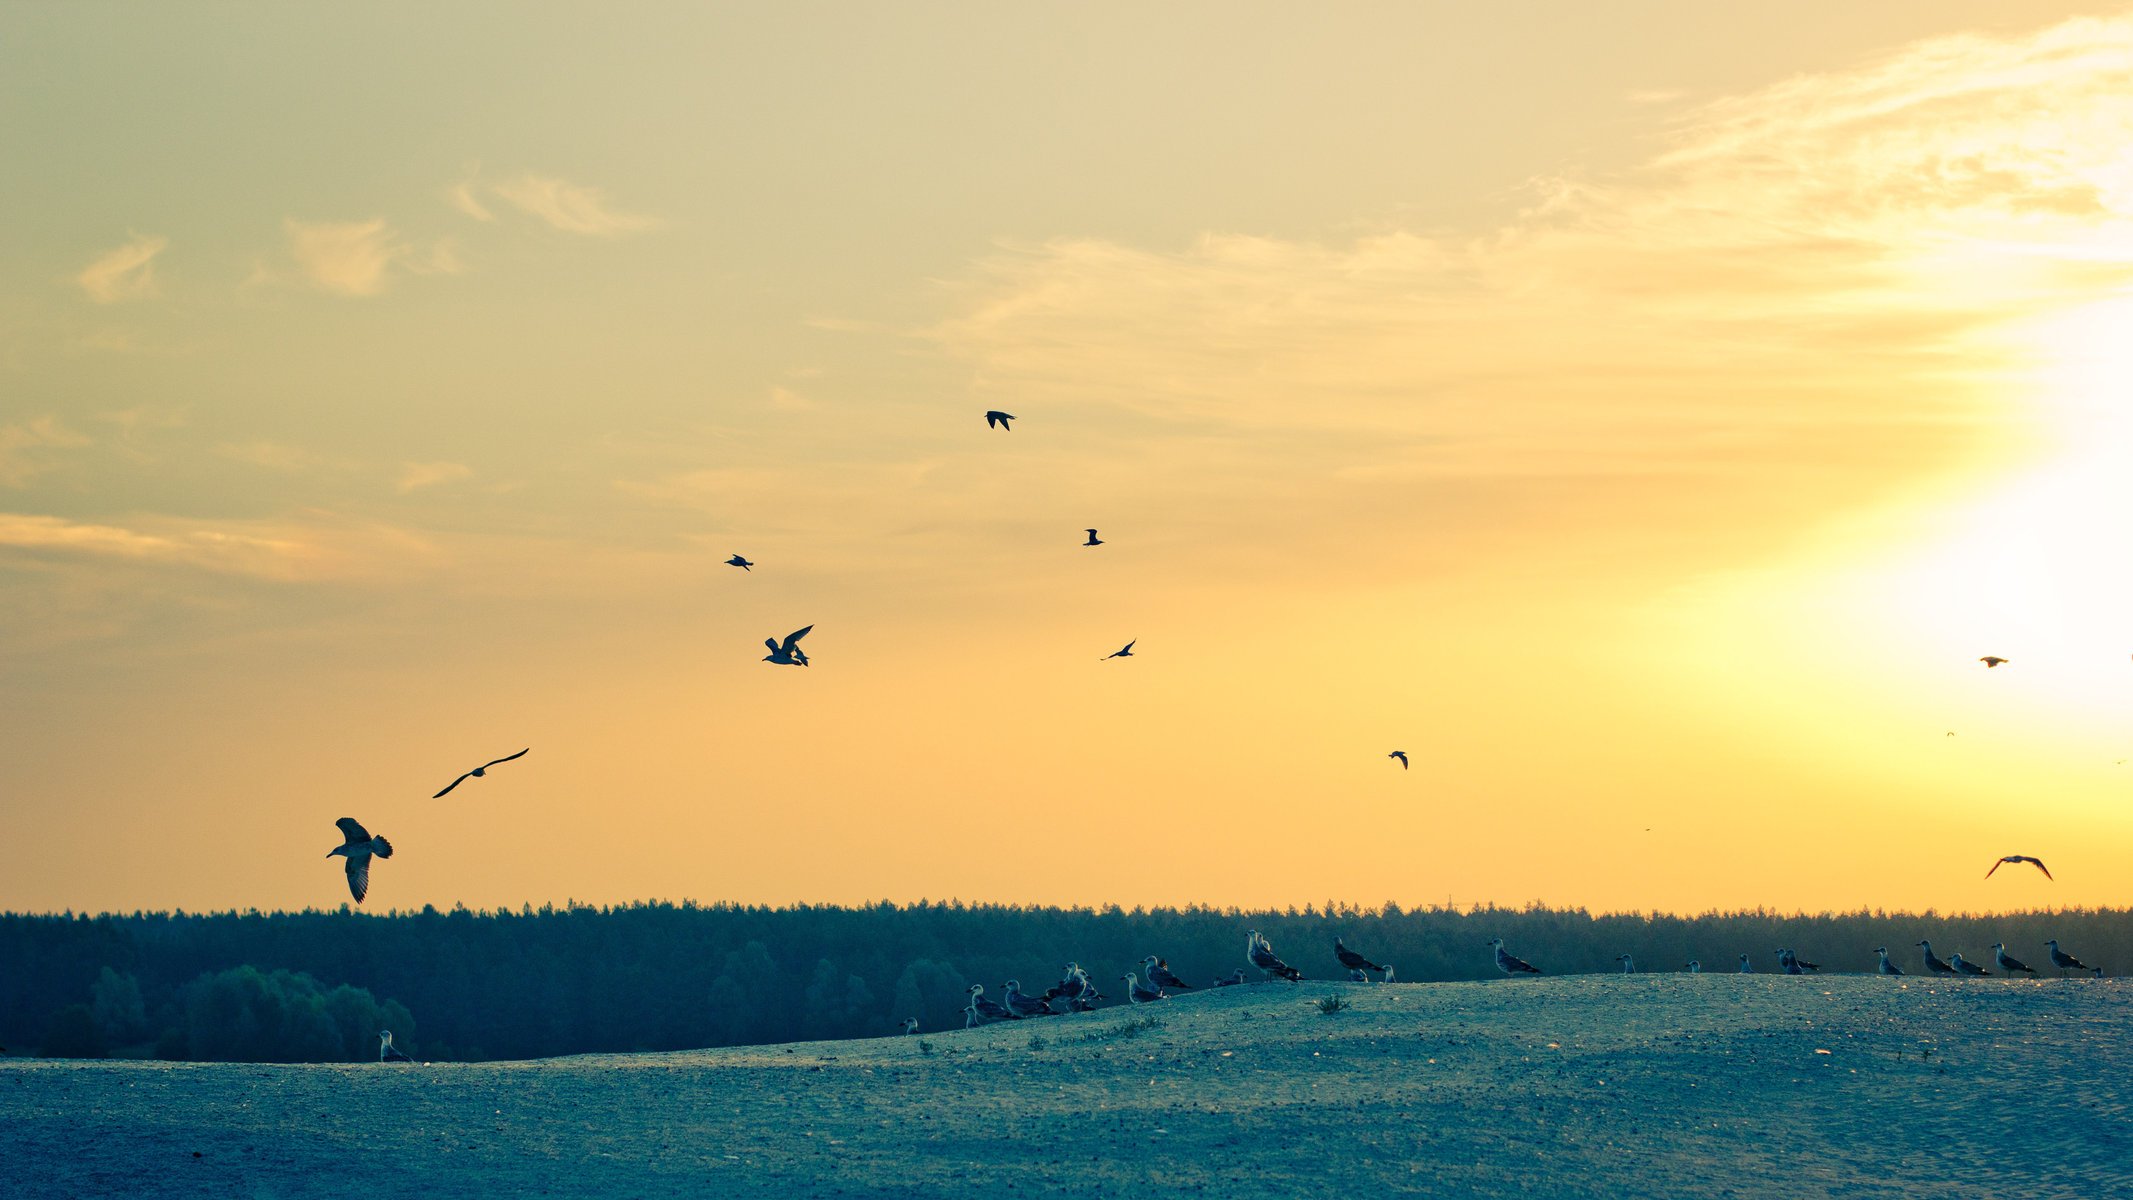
point(1510, 964)
point(1402, 756)
point(1887, 967)
point(2023, 858)
point(1231, 980)
point(1933, 962)
point(1991, 661)
point(910, 1026)
point(1159, 975)
point(994, 418)
point(2009, 965)
point(738, 561)
point(479, 771)
point(387, 1052)
point(1125, 653)
point(788, 654)
point(1967, 968)
point(1261, 954)
point(358, 848)
point(2064, 961)
point(1140, 993)
point(1093, 539)
point(1353, 961)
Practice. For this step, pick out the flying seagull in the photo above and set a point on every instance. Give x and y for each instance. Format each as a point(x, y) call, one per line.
point(1125, 653)
point(2007, 964)
point(789, 654)
point(1510, 964)
point(1968, 968)
point(1991, 661)
point(1159, 975)
point(479, 771)
point(1402, 756)
point(1093, 539)
point(1260, 952)
point(994, 418)
point(2023, 858)
point(1933, 961)
point(387, 1052)
point(1887, 967)
point(2064, 961)
point(358, 849)
point(738, 561)
point(1353, 961)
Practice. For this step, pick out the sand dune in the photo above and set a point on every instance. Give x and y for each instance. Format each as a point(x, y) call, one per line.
point(1592, 1086)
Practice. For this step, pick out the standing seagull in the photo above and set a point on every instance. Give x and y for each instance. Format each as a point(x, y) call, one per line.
point(1991, 661)
point(1509, 964)
point(1125, 653)
point(1261, 953)
point(2009, 965)
point(2064, 961)
point(387, 1052)
point(1140, 993)
point(982, 1010)
point(789, 654)
point(1695, 967)
point(995, 419)
point(2023, 858)
point(1402, 756)
point(738, 561)
point(1747, 967)
point(480, 771)
point(1933, 962)
point(1887, 967)
point(358, 849)
point(1353, 961)
point(910, 1026)
point(1968, 968)
point(1232, 980)
point(1629, 965)
point(1093, 539)
point(1159, 975)
point(1025, 1005)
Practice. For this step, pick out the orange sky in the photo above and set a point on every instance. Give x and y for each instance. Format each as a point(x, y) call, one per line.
point(1644, 419)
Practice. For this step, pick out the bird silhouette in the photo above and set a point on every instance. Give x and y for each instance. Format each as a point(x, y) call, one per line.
point(1402, 756)
point(738, 561)
point(994, 418)
point(1353, 961)
point(1093, 539)
point(1991, 661)
point(479, 771)
point(2023, 858)
point(1125, 653)
point(789, 653)
point(358, 847)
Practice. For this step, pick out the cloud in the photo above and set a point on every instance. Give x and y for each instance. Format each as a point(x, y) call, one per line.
point(274, 456)
point(126, 273)
point(462, 196)
point(320, 548)
point(359, 258)
point(571, 208)
point(21, 444)
point(415, 476)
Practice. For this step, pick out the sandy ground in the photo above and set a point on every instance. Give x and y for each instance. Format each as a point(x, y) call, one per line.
point(1658, 1085)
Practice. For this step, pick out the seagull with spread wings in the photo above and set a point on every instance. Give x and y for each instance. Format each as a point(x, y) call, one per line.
point(1093, 539)
point(479, 771)
point(738, 561)
point(2023, 858)
point(1991, 661)
point(789, 653)
point(358, 847)
point(995, 419)
point(1402, 756)
point(1125, 653)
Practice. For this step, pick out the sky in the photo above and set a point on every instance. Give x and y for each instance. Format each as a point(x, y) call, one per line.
point(1643, 415)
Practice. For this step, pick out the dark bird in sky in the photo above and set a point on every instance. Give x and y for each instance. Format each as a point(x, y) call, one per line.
point(2023, 858)
point(1402, 756)
point(479, 771)
point(1125, 653)
point(1353, 961)
point(789, 654)
point(387, 1052)
point(358, 847)
point(738, 561)
point(1510, 964)
point(2064, 961)
point(2009, 963)
point(1991, 661)
point(995, 419)
point(1093, 539)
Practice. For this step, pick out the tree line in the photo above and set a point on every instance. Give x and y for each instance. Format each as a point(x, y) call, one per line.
point(317, 986)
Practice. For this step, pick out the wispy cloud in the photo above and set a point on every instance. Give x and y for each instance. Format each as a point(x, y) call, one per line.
point(417, 475)
point(124, 273)
point(22, 446)
point(360, 258)
point(274, 456)
point(571, 207)
point(463, 197)
point(287, 551)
